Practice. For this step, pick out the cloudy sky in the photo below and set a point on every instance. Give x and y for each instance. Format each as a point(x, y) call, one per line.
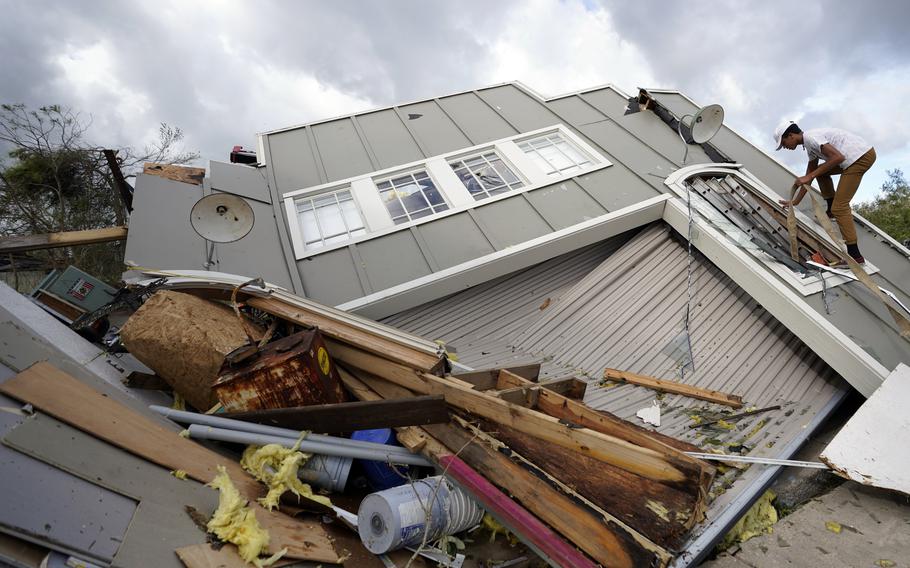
point(225, 70)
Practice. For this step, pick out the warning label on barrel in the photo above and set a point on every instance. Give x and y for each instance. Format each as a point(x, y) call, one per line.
point(323, 357)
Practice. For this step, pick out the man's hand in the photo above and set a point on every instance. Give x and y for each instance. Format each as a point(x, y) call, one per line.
point(803, 180)
point(785, 203)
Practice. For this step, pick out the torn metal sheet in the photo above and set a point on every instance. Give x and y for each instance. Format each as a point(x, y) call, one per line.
point(50, 507)
point(868, 449)
point(160, 516)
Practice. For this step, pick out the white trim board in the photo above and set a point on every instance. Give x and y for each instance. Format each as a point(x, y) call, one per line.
point(462, 276)
point(868, 449)
point(850, 360)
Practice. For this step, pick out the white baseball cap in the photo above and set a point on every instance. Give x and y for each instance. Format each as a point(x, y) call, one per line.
point(779, 132)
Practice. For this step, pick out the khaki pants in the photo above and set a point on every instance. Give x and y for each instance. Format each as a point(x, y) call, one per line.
point(846, 189)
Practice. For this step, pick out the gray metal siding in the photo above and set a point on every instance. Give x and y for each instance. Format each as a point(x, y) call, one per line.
point(257, 254)
point(437, 133)
point(520, 110)
point(646, 127)
point(564, 204)
point(616, 187)
point(476, 119)
point(576, 111)
point(627, 152)
point(160, 232)
point(511, 221)
point(388, 138)
point(341, 149)
point(393, 259)
point(331, 277)
point(245, 181)
point(293, 160)
point(454, 240)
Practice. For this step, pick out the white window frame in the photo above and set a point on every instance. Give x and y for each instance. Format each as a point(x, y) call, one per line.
point(807, 285)
point(388, 178)
point(483, 156)
point(379, 222)
point(293, 213)
point(559, 173)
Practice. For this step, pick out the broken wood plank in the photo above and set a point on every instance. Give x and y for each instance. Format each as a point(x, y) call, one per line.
point(736, 416)
point(485, 379)
point(659, 512)
point(56, 393)
point(606, 539)
point(173, 172)
point(668, 466)
point(672, 387)
point(65, 239)
point(351, 416)
point(342, 331)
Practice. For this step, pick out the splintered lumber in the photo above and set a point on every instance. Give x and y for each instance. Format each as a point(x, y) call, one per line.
point(669, 467)
point(606, 539)
point(351, 416)
point(485, 379)
point(334, 327)
point(674, 387)
point(65, 239)
point(58, 394)
point(661, 513)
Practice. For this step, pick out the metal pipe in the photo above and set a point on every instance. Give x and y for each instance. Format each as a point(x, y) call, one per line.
point(201, 432)
point(185, 417)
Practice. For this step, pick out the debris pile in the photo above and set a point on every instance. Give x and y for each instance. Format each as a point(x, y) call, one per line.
point(287, 382)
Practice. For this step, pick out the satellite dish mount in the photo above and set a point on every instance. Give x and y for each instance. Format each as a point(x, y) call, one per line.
point(703, 125)
point(221, 218)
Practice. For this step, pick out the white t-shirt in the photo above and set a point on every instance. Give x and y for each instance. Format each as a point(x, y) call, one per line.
point(850, 145)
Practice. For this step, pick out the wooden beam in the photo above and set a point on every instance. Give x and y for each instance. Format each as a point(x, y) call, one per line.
point(174, 172)
point(351, 416)
point(606, 539)
point(666, 467)
point(66, 239)
point(334, 328)
point(58, 394)
point(672, 387)
point(485, 379)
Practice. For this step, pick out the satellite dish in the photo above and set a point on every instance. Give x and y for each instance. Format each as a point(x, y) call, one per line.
point(706, 123)
point(222, 218)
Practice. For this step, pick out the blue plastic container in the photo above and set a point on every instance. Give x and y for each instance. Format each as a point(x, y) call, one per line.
point(380, 474)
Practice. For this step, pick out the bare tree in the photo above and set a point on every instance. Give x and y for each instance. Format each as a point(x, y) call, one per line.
point(56, 180)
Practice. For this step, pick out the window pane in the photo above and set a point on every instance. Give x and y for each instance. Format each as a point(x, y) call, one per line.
point(472, 162)
point(412, 198)
point(421, 213)
point(504, 171)
point(572, 153)
point(323, 200)
point(468, 180)
point(421, 175)
point(392, 204)
point(351, 215)
point(383, 185)
point(432, 194)
point(330, 220)
point(397, 182)
point(541, 163)
point(304, 205)
point(555, 157)
point(308, 224)
point(490, 178)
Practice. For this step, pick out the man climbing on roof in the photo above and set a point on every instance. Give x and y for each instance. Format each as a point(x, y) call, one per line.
point(844, 154)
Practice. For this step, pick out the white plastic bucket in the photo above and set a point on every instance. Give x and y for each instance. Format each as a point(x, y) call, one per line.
point(397, 517)
point(327, 472)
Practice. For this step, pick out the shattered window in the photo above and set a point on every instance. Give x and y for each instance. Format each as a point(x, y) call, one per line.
point(329, 218)
point(485, 175)
point(410, 196)
point(555, 155)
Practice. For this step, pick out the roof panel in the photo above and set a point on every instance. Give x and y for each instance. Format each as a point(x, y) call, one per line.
point(389, 139)
point(475, 118)
point(341, 149)
point(433, 127)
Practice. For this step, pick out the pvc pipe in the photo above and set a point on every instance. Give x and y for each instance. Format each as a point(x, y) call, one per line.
point(220, 434)
point(241, 426)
